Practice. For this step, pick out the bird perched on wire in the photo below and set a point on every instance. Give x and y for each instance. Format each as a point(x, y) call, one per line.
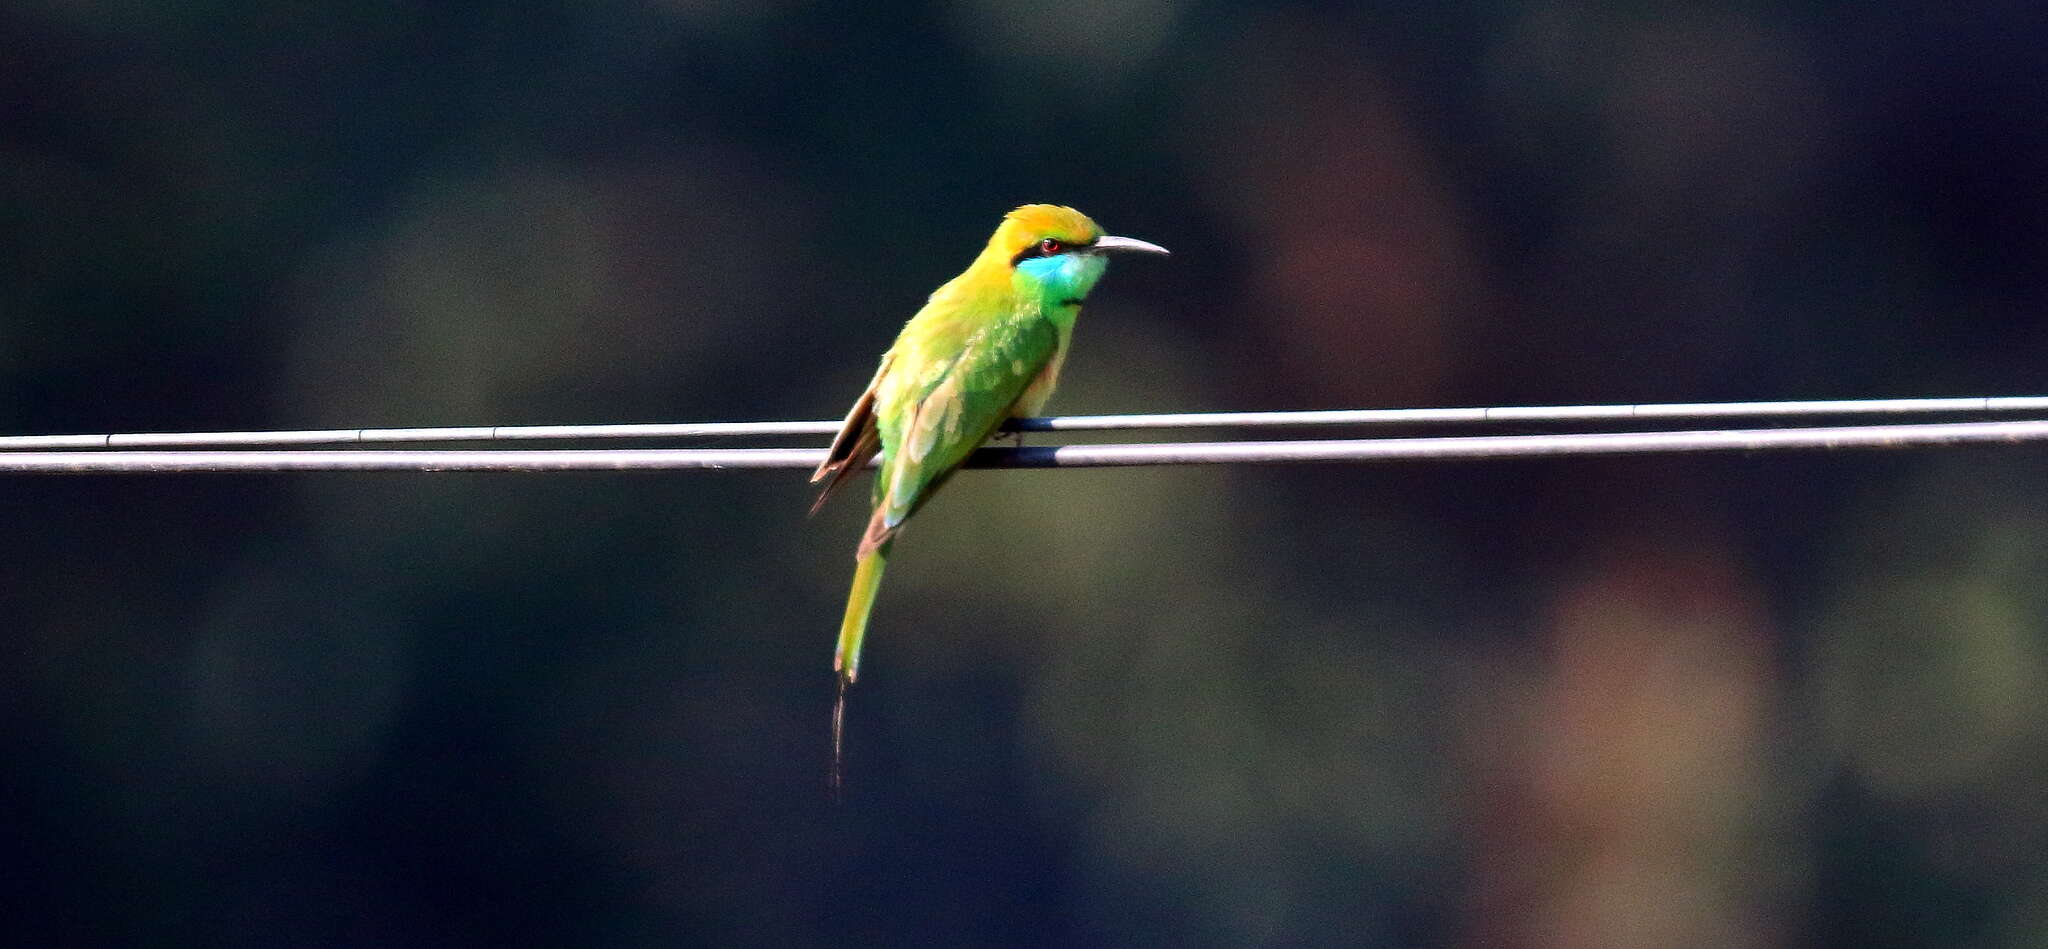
point(987, 347)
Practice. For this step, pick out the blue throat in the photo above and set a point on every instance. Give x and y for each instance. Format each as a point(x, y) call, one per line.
point(1062, 278)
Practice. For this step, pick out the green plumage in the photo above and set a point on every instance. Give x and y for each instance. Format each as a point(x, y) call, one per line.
point(985, 348)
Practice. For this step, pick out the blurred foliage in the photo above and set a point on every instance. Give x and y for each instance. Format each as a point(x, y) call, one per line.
point(1782, 700)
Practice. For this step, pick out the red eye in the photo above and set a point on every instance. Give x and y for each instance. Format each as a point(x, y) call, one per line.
point(1049, 247)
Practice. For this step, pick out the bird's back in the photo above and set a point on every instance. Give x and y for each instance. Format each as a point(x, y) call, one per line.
point(957, 370)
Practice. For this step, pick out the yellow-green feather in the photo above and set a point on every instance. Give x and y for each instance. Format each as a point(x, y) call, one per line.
point(985, 347)
point(853, 629)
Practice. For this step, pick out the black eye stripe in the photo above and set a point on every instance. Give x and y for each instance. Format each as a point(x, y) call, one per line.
point(1037, 249)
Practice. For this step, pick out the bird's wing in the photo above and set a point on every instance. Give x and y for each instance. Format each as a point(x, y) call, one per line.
point(857, 441)
point(955, 409)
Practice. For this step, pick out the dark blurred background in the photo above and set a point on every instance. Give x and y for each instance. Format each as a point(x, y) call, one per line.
point(1774, 700)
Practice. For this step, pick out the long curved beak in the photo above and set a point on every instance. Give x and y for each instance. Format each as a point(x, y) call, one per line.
point(1108, 243)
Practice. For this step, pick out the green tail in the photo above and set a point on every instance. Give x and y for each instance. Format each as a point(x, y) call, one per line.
point(853, 630)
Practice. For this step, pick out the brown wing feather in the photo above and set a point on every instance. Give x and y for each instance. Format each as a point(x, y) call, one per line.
point(857, 441)
point(863, 450)
point(878, 533)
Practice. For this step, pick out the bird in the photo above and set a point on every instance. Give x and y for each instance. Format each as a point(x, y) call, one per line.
point(985, 348)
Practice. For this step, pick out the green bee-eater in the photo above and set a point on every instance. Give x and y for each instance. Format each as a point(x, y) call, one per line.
point(985, 348)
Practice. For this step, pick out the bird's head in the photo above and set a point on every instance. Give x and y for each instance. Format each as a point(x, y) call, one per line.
point(1057, 248)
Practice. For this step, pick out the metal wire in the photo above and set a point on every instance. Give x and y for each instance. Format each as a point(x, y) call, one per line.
point(1068, 456)
point(1068, 423)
